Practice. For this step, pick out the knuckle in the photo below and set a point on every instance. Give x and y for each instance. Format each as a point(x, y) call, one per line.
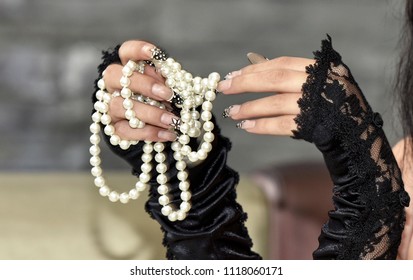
point(111, 70)
point(282, 60)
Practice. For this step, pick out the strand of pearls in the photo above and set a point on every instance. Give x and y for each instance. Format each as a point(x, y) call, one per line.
point(189, 94)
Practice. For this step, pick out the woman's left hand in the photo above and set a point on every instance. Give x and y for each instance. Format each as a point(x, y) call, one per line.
point(275, 114)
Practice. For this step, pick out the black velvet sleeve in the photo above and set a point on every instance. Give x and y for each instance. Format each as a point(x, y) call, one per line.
point(214, 227)
point(368, 193)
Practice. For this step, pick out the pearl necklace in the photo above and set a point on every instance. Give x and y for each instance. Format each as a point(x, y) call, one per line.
point(189, 94)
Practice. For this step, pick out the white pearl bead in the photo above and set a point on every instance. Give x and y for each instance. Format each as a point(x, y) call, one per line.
point(208, 126)
point(180, 165)
point(146, 167)
point(214, 76)
point(182, 175)
point(94, 150)
point(109, 130)
point(141, 186)
point(163, 200)
point(212, 84)
point(194, 132)
point(94, 128)
point(195, 115)
point(170, 82)
point(184, 128)
point(146, 157)
point(130, 114)
point(188, 77)
point(184, 139)
point(127, 71)
point(197, 88)
point(186, 117)
point(104, 191)
point(95, 161)
point(204, 82)
point(105, 119)
point(169, 61)
point(127, 104)
point(126, 93)
point(173, 216)
point(180, 215)
point(176, 66)
point(210, 95)
point(175, 146)
point(163, 189)
point(144, 177)
point(186, 150)
point(166, 210)
point(185, 206)
point(134, 122)
point(160, 157)
point(99, 181)
point(178, 156)
point(114, 140)
point(101, 84)
point(113, 196)
point(185, 196)
point(96, 171)
point(133, 194)
point(124, 144)
point(198, 100)
point(209, 137)
point(162, 179)
point(141, 124)
point(96, 117)
point(207, 106)
point(107, 97)
point(206, 115)
point(124, 198)
point(161, 168)
point(131, 64)
point(158, 147)
point(147, 148)
point(197, 80)
point(94, 139)
point(165, 71)
point(207, 147)
point(99, 95)
point(193, 157)
point(202, 154)
point(184, 186)
point(124, 81)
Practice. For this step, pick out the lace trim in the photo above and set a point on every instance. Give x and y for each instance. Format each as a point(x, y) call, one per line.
point(370, 206)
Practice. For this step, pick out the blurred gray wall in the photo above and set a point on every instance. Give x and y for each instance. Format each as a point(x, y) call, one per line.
point(49, 50)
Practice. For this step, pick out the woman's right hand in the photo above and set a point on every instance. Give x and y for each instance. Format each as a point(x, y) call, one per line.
point(150, 84)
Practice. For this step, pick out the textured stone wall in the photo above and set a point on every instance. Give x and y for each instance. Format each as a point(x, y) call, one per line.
point(49, 50)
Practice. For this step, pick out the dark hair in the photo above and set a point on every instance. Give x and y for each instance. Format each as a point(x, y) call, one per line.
point(404, 77)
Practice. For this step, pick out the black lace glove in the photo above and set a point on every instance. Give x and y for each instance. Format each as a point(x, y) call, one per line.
point(368, 192)
point(214, 227)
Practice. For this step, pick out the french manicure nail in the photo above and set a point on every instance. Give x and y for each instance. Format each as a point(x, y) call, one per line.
point(231, 111)
point(168, 119)
point(224, 85)
point(256, 58)
point(162, 91)
point(147, 49)
point(167, 135)
point(233, 74)
point(246, 124)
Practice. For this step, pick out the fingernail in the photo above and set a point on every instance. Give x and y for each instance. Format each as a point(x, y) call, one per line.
point(247, 124)
point(233, 74)
point(148, 49)
point(167, 135)
point(230, 111)
point(162, 91)
point(256, 58)
point(168, 119)
point(224, 85)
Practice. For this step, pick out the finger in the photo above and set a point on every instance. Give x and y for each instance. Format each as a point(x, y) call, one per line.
point(265, 81)
point(144, 112)
point(139, 83)
point(283, 125)
point(135, 50)
point(275, 105)
point(148, 133)
point(283, 62)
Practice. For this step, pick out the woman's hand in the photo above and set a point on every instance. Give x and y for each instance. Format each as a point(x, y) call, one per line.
point(150, 84)
point(275, 114)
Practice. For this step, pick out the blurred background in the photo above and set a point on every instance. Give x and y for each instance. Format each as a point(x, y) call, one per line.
point(49, 50)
